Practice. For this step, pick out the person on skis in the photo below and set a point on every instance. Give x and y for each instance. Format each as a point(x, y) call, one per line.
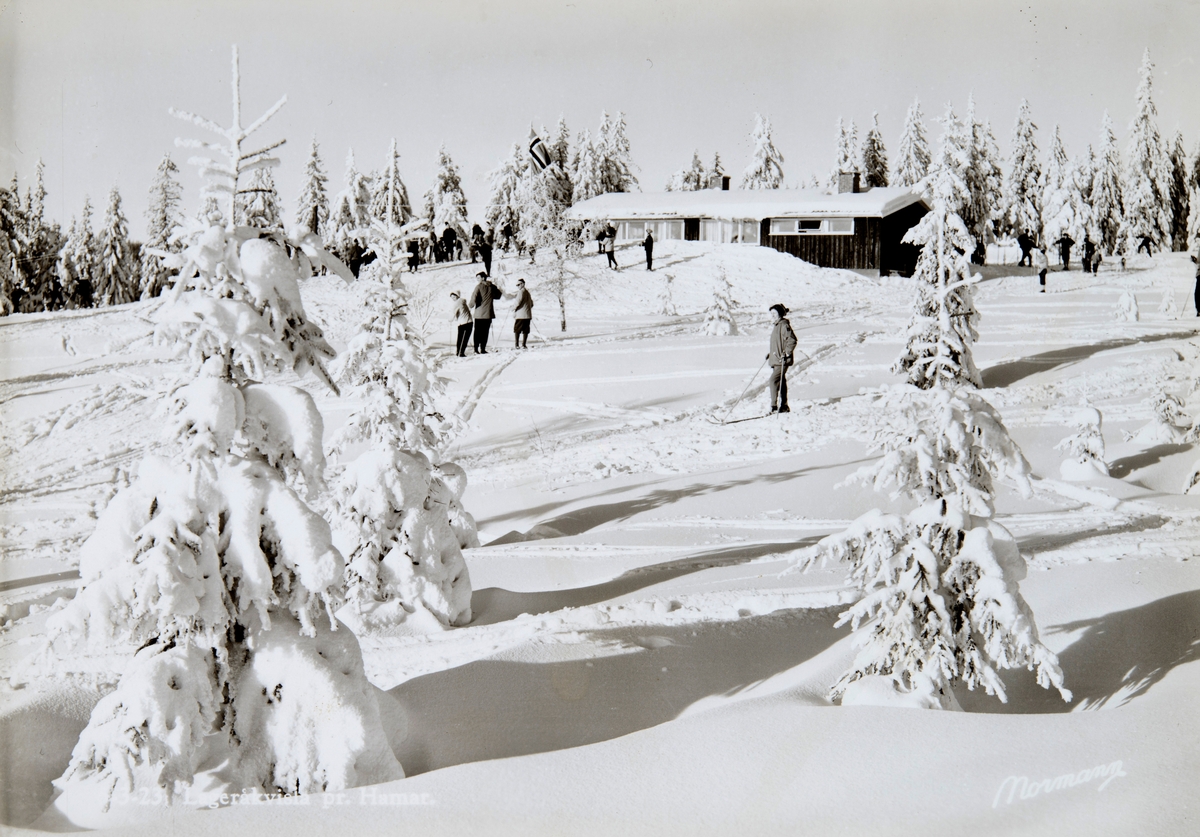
point(783, 344)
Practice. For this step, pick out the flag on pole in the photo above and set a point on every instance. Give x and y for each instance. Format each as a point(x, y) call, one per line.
point(538, 151)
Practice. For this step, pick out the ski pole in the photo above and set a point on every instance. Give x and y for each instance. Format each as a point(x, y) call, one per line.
point(744, 391)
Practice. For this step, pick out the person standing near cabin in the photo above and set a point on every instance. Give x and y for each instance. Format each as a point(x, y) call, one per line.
point(522, 316)
point(1064, 250)
point(1026, 245)
point(783, 344)
point(610, 247)
point(649, 245)
point(1040, 265)
point(464, 320)
point(483, 311)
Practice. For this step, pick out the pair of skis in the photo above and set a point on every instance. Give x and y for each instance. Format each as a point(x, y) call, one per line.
point(799, 367)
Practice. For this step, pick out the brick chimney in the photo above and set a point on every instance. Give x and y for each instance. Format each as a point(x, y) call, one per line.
point(848, 181)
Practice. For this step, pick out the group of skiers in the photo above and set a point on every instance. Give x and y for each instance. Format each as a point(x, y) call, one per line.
point(606, 240)
point(1035, 257)
point(448, 246)
point(474, 314)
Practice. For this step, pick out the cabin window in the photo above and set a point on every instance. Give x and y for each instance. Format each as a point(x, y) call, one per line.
point(812, 226)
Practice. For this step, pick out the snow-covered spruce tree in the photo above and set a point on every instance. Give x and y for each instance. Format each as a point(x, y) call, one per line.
point(616, 160)
point(718, 317)
point(1171, 423)
point(940, 602)
point(1148, 171)
point(312, 210)
point(766, 166)
point(1060, 197)
point(350, 217)
point(912, 156)
point(847, 157)
point(1022, 189)
point(543, 198)
point(397, 514)
point(716, 170)
point(691, 179)
point(11, 240)
point(1108, 204)
point(389, 202)
point(504, 183)
point(449, 202)
point(874, 156)
point(163, 218)
point(1180, 197)
point(586, 171)
point(984, 184)
point(1085, 447)
point(258, 202)
point(560, 152)
point(37, 286)
point(1127, 307)
point(942, 327)
point(666, 299)
point(116, 271)
point(1194, 200)
point(77, 262)
point(210, 562)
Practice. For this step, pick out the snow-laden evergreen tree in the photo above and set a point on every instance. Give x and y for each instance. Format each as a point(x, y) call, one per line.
point(1148, 171)
point(258, 202)
point(1060, 197)
point(77, 262)
point(350, 217)
point(984, 184)
point(766, 166)
point(717, 170)
point(1180, 197)
point(666, 299)
point(1194, 201)
point(1107, 201)
point(587, 172)
point(718, 317)
point(942, 327)
point(389, 201)
point(940, 602)
point(1127, 307)
point(449, 202)
point(37, 286)
point(505, 182)
point(163, 218)
point(847, 157)
point(912, 156)
point(1022, 189)
point(1085, 447)
point(397, 515)
point(874, 156)
point(116, 275)
point(691, 179)
point(211, 564)
point(560, 152)
point(12, 240)
point(616, 160)
point(312, 211)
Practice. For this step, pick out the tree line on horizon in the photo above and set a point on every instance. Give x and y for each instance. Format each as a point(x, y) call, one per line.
point(1153, 194)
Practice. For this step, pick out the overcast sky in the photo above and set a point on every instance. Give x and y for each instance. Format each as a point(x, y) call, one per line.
point(85, 84)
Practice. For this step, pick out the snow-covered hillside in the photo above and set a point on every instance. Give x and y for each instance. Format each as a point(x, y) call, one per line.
point(641, 657)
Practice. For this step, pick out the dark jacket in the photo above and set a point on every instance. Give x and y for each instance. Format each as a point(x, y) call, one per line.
point(649, 243)
point(481, 300)
point(783, 343)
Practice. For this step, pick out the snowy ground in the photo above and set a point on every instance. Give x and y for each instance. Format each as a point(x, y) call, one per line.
point(640, 662)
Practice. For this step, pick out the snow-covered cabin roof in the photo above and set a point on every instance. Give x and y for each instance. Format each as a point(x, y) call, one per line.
point(878, 202)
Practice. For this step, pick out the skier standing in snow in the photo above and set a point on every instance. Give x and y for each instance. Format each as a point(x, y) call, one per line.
point(485, 252)
point(1145, 244)
point(1040, 265)
point(649, 245)
point(1026, 245)
point(483, 311)
point(449, 239)
point(1064, 250)
point(783, 344)
point(1089, 251)
point(610, 247)
point(522, 316)
point(463, 319)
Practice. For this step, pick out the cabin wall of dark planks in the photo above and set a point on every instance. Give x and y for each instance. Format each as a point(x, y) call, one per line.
point(852, 252)
point(895, 256)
